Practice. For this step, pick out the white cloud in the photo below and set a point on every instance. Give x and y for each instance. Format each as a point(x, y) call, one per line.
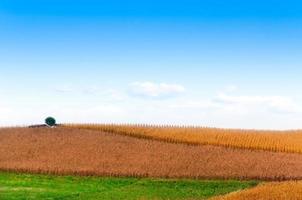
point(231, 88)
point(194, 104)
point(228, 109)
point(73, 89)
point(103, 112)
point(155, 90)
point(91, 90)
point(104, 93)
point(71, 113)
point(113, 94)
point(280, 104)
point(64, 89)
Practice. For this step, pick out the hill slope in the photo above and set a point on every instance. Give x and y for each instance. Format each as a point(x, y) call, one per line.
point(271, 191)
point(278, 141)
point(84, 152)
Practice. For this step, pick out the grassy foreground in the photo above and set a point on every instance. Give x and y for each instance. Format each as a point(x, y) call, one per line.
point(25, 186)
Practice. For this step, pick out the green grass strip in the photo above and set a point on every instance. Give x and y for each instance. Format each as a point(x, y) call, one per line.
point(28, 187)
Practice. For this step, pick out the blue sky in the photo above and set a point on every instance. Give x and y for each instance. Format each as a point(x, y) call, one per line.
point(216, 63)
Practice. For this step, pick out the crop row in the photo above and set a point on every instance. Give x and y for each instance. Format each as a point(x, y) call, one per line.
point(278, 141)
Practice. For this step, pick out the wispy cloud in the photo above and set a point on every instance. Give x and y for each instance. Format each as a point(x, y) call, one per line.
point(228, 102)
point(69, 88)
point(196, 104)
point(231, 88)
point(280, 104)
point(90, 90)
point(227, 108)
point(155, 90)
point(64, 89)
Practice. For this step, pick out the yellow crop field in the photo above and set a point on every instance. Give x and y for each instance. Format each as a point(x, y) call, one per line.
point(270, 191)
point(278, 141)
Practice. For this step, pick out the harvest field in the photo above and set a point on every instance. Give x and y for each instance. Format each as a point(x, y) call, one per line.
point(271, 191)
point(279, 141)
point(150, 100)
point(135, 165)
point(85, 152)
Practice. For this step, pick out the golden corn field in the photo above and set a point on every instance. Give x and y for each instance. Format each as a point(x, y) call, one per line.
point(291, 190)
point(278, 141)
point(160, 152)
point(85, 152)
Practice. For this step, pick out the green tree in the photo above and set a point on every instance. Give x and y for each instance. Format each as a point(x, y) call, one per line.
point(50, 121)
